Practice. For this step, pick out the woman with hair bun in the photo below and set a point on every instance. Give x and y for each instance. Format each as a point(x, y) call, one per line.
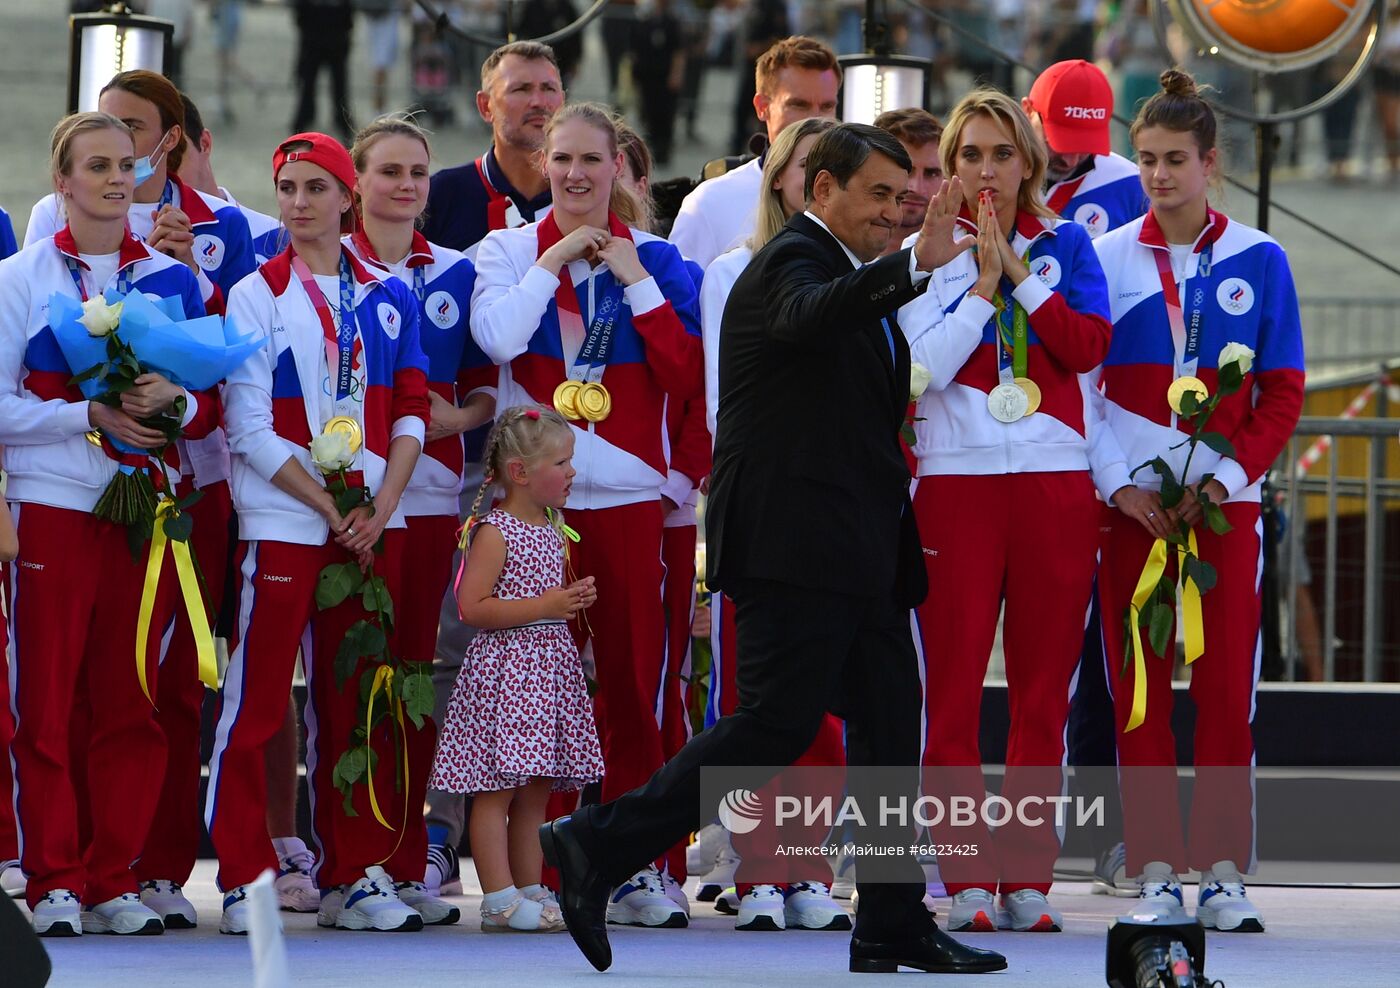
point(1191, 289)
point(588, 313)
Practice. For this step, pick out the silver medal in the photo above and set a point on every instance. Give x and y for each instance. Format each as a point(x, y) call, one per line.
point(1008, 403)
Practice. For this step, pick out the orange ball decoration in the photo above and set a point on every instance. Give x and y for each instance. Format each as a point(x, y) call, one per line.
point(1279, 27)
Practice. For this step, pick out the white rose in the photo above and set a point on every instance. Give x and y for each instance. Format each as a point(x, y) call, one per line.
point(919, 378)
point(331, 452)
point(1237, 353)
point(98, 317)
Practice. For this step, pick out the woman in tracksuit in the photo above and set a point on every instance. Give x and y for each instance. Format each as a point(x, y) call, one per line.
point(391, 163)
point(75, 590)
point(1186, 265)
point(1003, 496)
point(342, 344)
point(583, 300)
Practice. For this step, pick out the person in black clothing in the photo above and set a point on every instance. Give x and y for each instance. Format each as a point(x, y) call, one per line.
point(323, 40)
point(765, 25)
point(658, 67)
point(822, 579)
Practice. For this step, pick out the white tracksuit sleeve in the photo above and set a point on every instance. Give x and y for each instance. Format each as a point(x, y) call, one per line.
point(713, 296)
point(248, 389)
point(942, 341)
point(1108, 464)
point(25, 419)
point(507, 304)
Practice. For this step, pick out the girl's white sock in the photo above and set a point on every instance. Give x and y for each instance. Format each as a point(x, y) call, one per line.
point(535, 891)
point(494, 902)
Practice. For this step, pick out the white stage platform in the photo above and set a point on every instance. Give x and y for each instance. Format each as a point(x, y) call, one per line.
point(1337, 938)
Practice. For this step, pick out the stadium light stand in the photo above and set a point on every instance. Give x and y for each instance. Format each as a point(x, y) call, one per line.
point(111, 41)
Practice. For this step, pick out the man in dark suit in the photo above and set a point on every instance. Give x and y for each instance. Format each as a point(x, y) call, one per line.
point(810, 531)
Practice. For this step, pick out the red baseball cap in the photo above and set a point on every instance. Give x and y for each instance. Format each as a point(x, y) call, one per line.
point(325, 151)
point(1075, 103)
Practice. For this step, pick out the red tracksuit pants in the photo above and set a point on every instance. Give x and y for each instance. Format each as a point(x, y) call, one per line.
point(1028, 540)
point(1223, 682)
point(173, 841)
point(9, 840)
point(74, 599)
point(276, 604)
point(829, 746)
point(429, 543)
point(678, 594)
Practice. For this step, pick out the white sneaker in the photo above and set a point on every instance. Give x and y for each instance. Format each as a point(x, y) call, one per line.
point(642, 901)
point(372, 904)
point(701, 853)
point(1221, 903)
point(442, 876)
point(58, 914)
point(167, 900)
point(1159, 894)
point(761, 910)
point(809, 906)
point(675, 892)
point(727, 902)
point(234, 920)
point(1111, 874)
point(1028, 911)
point(296, 892)
point(124, 915)
point(12, 880)
point(329, 910)
point(434, 911)
point(972, 911)
point(713, 883)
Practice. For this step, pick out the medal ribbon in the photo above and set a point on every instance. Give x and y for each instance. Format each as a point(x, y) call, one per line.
point(189, 591)
point(1186, 341)
point(594, 346)
point(341, 346)
point(1191, 621)
point(1015, 335)
point(76, 272)
point(501, 211)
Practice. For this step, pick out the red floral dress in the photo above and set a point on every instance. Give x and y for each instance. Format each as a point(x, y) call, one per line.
point(520, 709)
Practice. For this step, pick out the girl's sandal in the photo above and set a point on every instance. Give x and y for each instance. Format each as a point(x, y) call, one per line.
point(523, 916)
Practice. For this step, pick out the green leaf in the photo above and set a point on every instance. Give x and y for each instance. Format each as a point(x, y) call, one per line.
point(96, 370)
point(179, 526)
point(1230, 378)
point(1215, 518)
point(1190, 403)
point(418, 697)
point(374, 595)
point(347, 657)
point(1160, 630)
point(1219, 443)
point(1201, 573)
point(347, 501)
point(372, 639)
point(352, 764)
point(190, 499)
point(335, 583)
point(1172, 492)
point(347, 807)
point(906, 432)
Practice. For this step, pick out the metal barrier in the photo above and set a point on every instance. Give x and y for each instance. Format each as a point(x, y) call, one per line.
point(1378, 490)
point(1350, 330)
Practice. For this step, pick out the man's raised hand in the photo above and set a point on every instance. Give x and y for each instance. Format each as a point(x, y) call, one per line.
point(935, 246)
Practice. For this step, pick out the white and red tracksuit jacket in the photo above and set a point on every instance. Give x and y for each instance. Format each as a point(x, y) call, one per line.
point(44, 420)
point(1248, 297)
point(955, 336)
point(272, 401)
point(1105, 197)
point(457, 368)
point(656, 351)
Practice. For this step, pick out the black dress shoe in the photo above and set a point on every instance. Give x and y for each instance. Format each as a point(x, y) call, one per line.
point(583, 891)
point(935, 952)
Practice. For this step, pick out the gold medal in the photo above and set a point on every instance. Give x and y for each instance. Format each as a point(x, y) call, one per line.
point(566, 400)
point(94, 437)
point(1032, 391)
point(594, 402)
point(1180, 386)
point(347, 427)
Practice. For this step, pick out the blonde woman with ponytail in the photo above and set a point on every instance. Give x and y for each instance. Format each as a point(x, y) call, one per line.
point(589, 314)
point(520, 723)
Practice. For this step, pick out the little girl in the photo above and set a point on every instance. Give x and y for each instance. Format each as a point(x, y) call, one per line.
point(520, 722)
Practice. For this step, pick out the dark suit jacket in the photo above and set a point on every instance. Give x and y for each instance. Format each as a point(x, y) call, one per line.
point(809, 485)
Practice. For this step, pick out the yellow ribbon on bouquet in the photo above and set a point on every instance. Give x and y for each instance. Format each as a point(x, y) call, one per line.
point(383, 677)
point(1191, 622)
point(189, 590)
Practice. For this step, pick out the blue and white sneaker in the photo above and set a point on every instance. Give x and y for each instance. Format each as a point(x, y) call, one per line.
point(373, 904)
point(123, 916)
point(675, 892)
point(642, 901)
point(1111, 874)
point(435, 911)
point(296, 892)
point(12, 880)
point(1159, 894)
point(711, 885)
point(167, 900)
point(235, 918)
point(1221, 902)
point(58, 914)
point(809, 906)
point(761, 910)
